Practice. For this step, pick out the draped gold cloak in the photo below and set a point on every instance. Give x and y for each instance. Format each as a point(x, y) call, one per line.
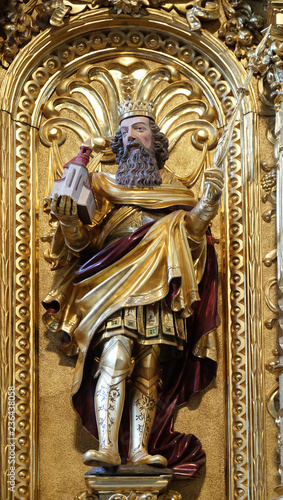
point(142, 276)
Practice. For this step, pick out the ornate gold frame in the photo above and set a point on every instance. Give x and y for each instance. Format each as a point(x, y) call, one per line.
point(28, 84)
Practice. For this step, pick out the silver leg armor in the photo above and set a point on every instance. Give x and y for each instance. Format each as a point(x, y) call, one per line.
point(143, 406)
point(115, 366)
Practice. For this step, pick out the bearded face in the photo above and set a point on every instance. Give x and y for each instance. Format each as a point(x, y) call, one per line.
point(138, 168)
point(135, 146)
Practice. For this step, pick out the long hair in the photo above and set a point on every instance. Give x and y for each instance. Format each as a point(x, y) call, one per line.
point(159, 146)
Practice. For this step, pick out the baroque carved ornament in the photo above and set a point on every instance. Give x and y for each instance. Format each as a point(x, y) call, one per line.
point(270, 70)
point(212, 79)
point(21, 21)
point(242, 30)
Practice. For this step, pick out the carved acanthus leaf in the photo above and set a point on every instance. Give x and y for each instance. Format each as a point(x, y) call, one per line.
point(17, 27)
point(272, 70)
point(242, 30)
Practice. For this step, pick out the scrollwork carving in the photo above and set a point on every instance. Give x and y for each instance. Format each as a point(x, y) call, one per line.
point(237, 315)
point(196, 12)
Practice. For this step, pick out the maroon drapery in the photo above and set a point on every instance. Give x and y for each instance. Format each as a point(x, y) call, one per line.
point(182, 377)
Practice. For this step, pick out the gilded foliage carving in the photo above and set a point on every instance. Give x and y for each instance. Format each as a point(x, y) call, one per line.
point(242, 30)
point(21, 21)
point(271, 71)
point(268, 184)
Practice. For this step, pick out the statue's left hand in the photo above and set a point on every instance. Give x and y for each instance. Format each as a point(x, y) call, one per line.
point(213, 185)
point(206, 208)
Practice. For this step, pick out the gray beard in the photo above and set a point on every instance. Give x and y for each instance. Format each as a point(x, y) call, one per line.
point(139, 169)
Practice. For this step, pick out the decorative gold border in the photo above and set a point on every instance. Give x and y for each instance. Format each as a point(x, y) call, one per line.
point(29, 82)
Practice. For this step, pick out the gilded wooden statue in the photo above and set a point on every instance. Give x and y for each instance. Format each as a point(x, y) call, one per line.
point(138, 303)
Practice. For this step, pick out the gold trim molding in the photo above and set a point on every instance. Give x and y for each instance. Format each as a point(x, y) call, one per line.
point(29, 83)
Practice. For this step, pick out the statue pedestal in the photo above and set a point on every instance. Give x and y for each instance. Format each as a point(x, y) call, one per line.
point(128, 482)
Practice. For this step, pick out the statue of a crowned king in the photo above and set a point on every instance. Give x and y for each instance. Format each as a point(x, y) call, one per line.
point(139, 303)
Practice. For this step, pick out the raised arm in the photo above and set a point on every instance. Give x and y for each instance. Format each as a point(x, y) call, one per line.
point(206, 209)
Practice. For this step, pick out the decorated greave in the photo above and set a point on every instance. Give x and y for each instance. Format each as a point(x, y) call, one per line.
point(109, 404)
point(143, 402)
point(146, 371)
point(114, 366)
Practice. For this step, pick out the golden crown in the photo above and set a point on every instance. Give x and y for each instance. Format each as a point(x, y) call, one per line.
point(139, 107)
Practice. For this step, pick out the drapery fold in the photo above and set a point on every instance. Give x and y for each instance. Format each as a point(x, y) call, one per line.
point(159, 260)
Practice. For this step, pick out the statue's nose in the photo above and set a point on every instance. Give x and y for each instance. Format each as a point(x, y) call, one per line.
point(132, 134)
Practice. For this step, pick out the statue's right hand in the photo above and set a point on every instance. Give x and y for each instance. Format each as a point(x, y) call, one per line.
point(77, 235)
point(65, 209)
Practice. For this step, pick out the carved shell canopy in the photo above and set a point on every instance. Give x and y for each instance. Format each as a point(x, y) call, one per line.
point(86, 104)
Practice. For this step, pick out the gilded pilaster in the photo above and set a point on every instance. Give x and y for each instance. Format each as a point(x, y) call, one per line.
point(272, 96)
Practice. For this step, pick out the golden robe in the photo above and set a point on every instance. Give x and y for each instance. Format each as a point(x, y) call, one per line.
point(142, 276)
point(172, 250)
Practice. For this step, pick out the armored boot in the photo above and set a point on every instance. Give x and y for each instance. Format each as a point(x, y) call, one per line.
point(143, 407)
point(115, 366)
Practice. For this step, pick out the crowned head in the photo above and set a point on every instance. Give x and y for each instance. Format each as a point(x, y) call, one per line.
point(141, 150)
point(138, 107)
